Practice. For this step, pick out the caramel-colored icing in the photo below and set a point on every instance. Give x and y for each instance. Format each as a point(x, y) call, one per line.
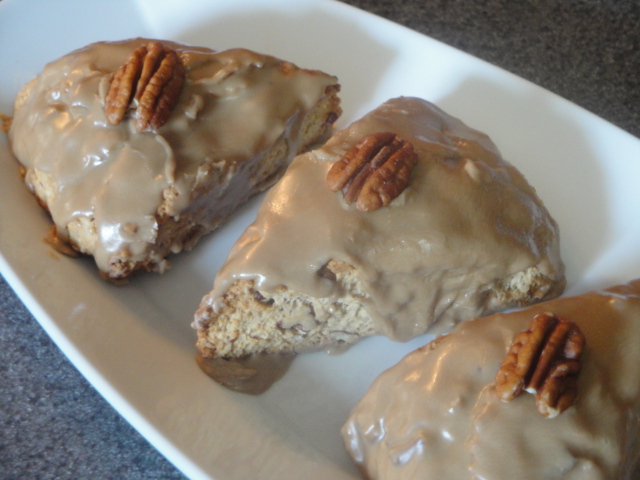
point(234, 105)
point(466, 220)
point(435, 414)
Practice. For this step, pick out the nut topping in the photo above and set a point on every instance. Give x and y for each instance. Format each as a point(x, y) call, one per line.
point(153, 76)
point(373, 172)
point(543, 360)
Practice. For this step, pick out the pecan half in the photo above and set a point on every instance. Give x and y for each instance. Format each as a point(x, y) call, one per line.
point(543, 360)
point(374, 171)
point(153, 76)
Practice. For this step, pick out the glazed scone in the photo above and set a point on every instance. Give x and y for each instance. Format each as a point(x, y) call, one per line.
point(468, 236)
point(436, 414)
point(130, 195)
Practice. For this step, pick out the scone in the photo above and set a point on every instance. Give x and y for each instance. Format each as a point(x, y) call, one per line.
point(138, 148)
point(440, 412)
point(442, 231)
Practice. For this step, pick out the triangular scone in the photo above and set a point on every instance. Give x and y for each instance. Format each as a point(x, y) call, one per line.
point(467, 236)
point(437, 415)
point(130, 191)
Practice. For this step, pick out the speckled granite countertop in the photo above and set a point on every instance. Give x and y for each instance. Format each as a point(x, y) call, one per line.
point(53, 424)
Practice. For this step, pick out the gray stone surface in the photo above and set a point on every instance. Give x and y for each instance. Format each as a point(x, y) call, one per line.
point(587, 51)
point(53, 424)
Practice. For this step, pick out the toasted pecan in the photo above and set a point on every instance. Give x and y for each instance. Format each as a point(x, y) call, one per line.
point(153, 77)
point(373, 172)
point(543, 360)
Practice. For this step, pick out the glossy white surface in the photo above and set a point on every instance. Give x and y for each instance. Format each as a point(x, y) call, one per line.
point(135, 344)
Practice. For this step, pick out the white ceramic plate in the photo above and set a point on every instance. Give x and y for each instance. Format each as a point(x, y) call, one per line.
point(135, 343)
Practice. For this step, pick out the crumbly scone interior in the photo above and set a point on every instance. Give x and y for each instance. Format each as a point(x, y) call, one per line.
point(285, 321)
point(252, 321)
